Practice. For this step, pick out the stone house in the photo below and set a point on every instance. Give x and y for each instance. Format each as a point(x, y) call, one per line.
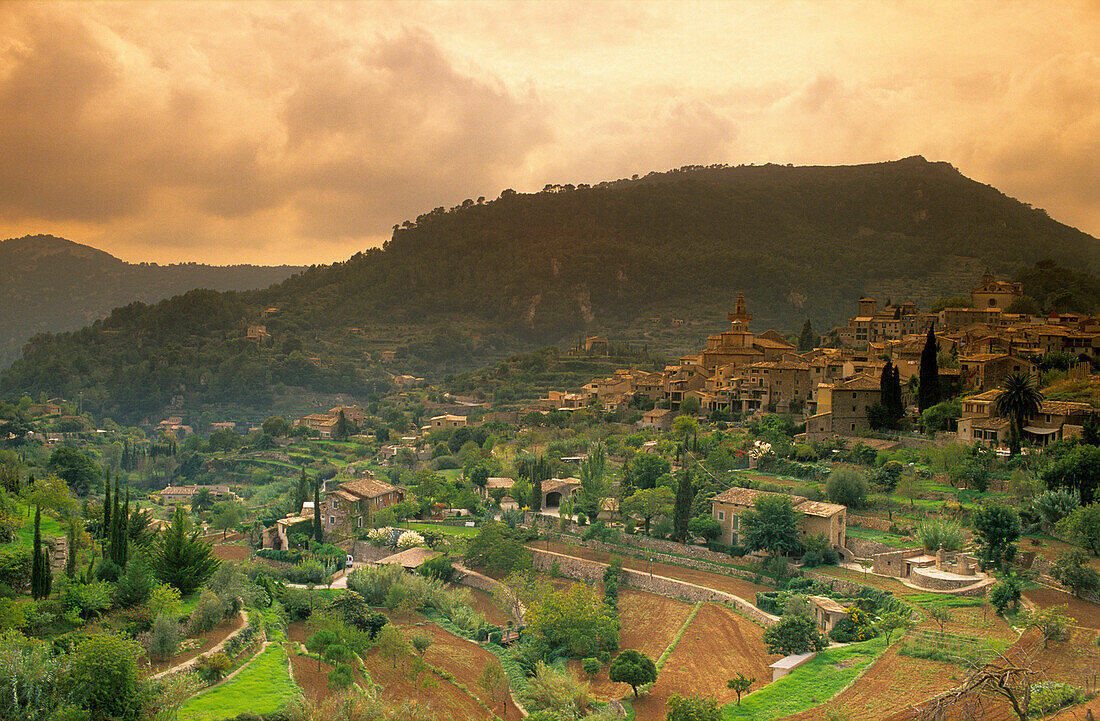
point(842, 407)
point(184, 494)
point(353, 503)
point(983, 371)
point(816, 518)
point(658, 418)
point(446, 421)
point(826, 613)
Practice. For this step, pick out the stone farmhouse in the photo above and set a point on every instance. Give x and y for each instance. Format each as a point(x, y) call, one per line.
point(173, 495)
point(353, 503)
point(1055, 421)
point(325, 423)
point(817, 518)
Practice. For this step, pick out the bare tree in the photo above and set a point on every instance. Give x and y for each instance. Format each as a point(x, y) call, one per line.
point(1002, 679)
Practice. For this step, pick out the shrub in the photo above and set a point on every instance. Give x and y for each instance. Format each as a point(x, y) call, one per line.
point(818, 552)
point(591, 666)
point(409, 539)
point(439, 568)
point(341, 677)
point(705, 526)
point(1005, 593)
point(856, 626)
point(1049, 696)
point(604, 657)
point(936, 533)
point(846, 487)
point(693, 708)
point(213, 667)
point(164, 638)
point(208, 613)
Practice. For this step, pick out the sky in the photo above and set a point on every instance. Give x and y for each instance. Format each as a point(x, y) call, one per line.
point(302, 133)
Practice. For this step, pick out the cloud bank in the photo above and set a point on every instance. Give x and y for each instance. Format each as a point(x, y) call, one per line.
point(295, 133)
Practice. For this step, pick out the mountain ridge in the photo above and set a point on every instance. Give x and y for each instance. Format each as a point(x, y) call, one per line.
point(653, 261)
point(50, 284)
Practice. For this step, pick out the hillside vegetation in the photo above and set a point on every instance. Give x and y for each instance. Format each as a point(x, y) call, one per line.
point(50, 285)
point(456, 289)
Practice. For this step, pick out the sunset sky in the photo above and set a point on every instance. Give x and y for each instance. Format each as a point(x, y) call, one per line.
point(301, 133)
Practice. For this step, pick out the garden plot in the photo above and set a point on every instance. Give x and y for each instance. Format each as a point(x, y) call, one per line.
point(716, 646)
point(892, 682)
point(649, 624)
point(263, 686)
point(1086, 614)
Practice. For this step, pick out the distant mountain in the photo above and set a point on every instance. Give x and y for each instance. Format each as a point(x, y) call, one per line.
point(655, 262)
point(50, 285)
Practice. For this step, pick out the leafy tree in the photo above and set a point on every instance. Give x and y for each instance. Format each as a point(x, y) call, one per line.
point(106, 679)
point(594, 485)
point(340, 677)
point(576, 621)
point(391, 645)
point(681, 513)
point(1073, 571)
point(741, 684)
point(847, 487)
point(644, 469)
point(692, 708)
point(72, 545)
point(164, 638)
point(649, 502)
point(793, 634)
point(494, 681)
point(706, 526)
point(1018, 400)
point(277, 427)
point(1053, 623)
point(1082, 526)
point(421, 642)
point(1005, 593)
point(771, 525)
point(337, 653)
point(181, 558)
point(319, 641)
point(1078, 469)
point(690, 406)
point(997, 528)
point(226, 515)
point(633, 668)
point(940, 614)
point(496, 548)
point(928, 392)
point(77, 470)
point(891, 621)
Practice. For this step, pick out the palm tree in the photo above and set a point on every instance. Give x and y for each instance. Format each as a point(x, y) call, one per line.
point(203, 500)
point(1018, 400)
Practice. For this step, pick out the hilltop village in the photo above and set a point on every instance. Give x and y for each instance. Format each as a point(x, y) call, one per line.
point(875, 522)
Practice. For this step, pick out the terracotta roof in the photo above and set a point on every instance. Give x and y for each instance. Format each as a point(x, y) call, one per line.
point(827, 604)
point(858, 383)
point(410, 557)
point(747, 496)
point(500, 483)
point(555, 484)
point(367, 488)
point(819, 509)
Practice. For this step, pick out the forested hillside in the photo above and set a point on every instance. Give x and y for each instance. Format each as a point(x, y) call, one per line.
point(50, 285)
point(458, 288)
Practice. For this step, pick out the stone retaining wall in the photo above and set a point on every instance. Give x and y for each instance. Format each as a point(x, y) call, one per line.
point(875, 524)
point(592, 571)
point(863, 548)
point(696, 563)
point(366, 552)
point(840, 584)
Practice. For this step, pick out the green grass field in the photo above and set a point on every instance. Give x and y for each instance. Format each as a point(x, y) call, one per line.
point(25, 535)
point(888, 539)
point(262, 687)
point(463, 531)
point(814, 683)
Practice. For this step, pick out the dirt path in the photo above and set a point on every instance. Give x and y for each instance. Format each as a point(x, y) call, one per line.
point(220, 636)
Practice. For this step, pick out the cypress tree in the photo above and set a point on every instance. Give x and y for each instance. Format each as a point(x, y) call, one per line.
point(682, 511)
point(106, 529)
point(885, 383)
point(318, 531)
point(929, 394)
point(807, 339)
point(39, 564)
point(301, 493)
point(895, 394)
point(124, 533)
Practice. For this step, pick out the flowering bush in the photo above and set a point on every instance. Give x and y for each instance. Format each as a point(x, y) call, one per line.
point(410, 539)
point(760, 449)
point(379, 536)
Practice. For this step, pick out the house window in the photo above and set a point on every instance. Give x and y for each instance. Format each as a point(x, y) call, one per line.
point(359, 522)
point(336, 503)
point(721, 515)
point(332, 520)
